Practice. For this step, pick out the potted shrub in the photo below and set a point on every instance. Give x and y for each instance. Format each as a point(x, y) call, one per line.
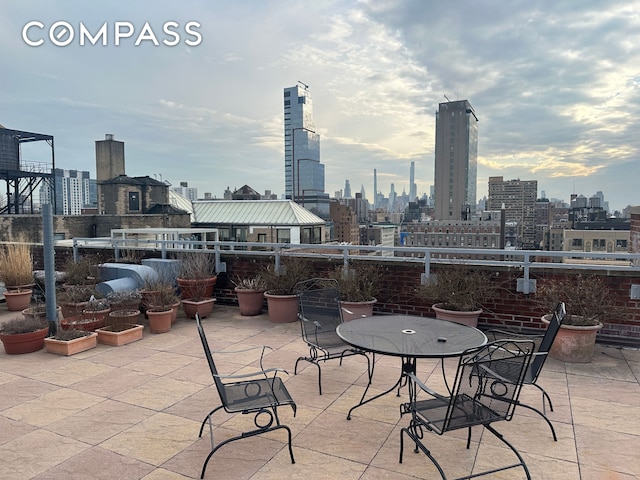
point(85, 271)
point(74, 299)
point(196, 275)
point(458, 293)
point(358, 285)
point(160, 312)
point(93, 315)
point(70, 341)
point(250, 292)
point(23, 334)
point(16, 271)
point(124, 299)
point(121, 328)
point(589, 303)
point(282, 301)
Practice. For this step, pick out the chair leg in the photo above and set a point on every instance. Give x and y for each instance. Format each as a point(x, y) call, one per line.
point(420, 445)
point(553, 430)
point(513, 449)
point(246, 435)
point(545, 396)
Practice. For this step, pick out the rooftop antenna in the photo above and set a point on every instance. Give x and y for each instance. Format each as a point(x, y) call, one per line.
point(447, 98)
point(306, 87)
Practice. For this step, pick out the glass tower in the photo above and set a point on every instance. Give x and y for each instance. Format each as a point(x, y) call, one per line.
point(303, 172)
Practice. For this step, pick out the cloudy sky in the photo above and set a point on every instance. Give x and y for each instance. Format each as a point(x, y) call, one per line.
point(555, 85)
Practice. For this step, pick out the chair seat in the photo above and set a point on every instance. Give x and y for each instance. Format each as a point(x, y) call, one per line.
point(253, 395)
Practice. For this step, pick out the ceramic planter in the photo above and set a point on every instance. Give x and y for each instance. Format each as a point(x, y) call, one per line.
point(117, 338)
point(40, 312)
point(282, 308)
point(18, 343)
point(201, 307)
point(353, 310)
point(159, 319)
point(250, 301)
point(71, 347)
point(466, 318)
point(73, 309)
point(79, 322)
point(190, 288)
point(174, 312)
point(18, 300)
point(573, 343)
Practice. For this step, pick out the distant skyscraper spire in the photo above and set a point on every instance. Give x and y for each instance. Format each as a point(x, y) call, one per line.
point(375, 189)
point(413, 190)
point(347, 189)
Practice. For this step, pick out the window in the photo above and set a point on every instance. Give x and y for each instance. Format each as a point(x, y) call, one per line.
point(134, 201)
point(287, 103)
point(287, 94)
point(262, 237)
point(302, 100)
point(283, 235)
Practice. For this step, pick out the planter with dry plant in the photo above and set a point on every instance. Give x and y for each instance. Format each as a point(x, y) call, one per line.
point(358, 284)
point(589, 303)
point(16, 271)
point(282, 301)
point(250, 292)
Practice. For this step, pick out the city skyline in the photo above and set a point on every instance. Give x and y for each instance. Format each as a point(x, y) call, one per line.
point(554, 85)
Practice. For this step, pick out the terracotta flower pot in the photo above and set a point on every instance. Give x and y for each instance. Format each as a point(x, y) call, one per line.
point(71, 347)
point(18, 343)
point(198, 288)
point(174, 312)
point(466, 318)
point(250, 301)
point(202, 307)
point(282, 308)
point(79, 322)
point(353, 310)
point(159, 319)
point(17, 300)
point(573, 343)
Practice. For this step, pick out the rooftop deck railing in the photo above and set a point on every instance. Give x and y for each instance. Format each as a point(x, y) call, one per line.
point(525, 261)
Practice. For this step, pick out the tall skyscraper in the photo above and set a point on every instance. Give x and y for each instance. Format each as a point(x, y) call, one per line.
point(375, 189)
point(347, 189)
point(456, 160)
point(304, 174)
point(413, 189)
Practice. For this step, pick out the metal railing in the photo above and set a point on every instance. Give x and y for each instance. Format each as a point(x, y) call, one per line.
point(523, 260)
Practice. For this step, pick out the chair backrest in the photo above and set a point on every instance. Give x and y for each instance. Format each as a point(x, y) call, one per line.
point(319, 309)
point(212, 366)
point(481, 392)
point(545, 345)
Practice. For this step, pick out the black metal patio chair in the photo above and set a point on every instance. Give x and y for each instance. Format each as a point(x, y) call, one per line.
point(479, 396)
point(259, 393)
point(539, 357)
point(320, 313)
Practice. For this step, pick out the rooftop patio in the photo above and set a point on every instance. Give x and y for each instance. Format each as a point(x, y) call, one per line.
point(134, 412)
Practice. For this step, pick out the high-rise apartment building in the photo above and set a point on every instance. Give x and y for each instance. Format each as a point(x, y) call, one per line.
point(304, 174)
point(74, 190)
point(456, 160)
point(518, 200)
point(186, 191)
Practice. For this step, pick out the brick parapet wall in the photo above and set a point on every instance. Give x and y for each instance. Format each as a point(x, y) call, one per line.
point(513, 310)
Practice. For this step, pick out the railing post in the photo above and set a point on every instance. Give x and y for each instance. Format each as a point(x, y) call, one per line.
point(220, 266)
point(424, 278)
point(75, 250)
point(526, 285)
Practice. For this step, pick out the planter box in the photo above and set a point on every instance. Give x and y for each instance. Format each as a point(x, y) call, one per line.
point(71, 347)
point(107, 337)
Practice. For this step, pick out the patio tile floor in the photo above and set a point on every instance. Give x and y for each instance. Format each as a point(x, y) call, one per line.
point(133, 412)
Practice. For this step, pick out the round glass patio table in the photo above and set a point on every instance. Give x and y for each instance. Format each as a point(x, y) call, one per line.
point(409, 337)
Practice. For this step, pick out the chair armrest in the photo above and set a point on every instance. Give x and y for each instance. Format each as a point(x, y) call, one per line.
point(426, 389)
point(253, 374)
point(242, 350)
point(511, 335)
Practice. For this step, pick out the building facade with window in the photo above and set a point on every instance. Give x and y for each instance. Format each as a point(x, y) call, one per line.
point(304, 174)
point(456, 161)
point(74, 191)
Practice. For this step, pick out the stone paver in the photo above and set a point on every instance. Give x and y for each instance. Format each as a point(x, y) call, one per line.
point(135, 412)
